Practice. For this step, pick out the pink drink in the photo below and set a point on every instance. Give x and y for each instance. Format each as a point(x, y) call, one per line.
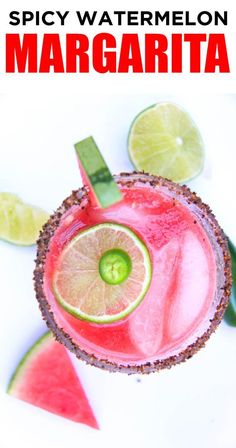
point(188, 276)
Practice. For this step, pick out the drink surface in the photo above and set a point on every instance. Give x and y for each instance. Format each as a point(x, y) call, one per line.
point(183, 283)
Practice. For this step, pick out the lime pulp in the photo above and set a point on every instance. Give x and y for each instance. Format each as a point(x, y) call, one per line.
point(115, 266)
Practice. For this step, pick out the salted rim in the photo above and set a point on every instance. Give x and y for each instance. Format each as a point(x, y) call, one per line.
point(217, 237)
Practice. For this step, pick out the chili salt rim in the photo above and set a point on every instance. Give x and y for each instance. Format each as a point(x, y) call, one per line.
point(61, 336)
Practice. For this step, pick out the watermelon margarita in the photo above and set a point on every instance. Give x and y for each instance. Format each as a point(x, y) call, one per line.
point(190, 283)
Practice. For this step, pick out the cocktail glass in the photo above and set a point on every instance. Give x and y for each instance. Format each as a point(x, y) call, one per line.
point(190, 285)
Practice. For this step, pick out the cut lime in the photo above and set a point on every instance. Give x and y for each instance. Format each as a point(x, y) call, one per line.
point(164, 141)
point(97, 173)
point(103, 273)
point(20, 223)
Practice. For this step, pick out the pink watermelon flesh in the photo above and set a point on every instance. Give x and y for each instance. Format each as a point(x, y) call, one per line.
point(86, 181)
point(46, 378)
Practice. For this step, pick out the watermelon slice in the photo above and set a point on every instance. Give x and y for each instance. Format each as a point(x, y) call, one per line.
point(96, 174)
point(46, 378)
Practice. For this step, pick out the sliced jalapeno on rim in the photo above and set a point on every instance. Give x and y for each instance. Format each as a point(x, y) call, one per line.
point(230, 314)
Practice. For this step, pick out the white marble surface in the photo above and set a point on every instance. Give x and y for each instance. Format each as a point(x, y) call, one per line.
point(190, 405)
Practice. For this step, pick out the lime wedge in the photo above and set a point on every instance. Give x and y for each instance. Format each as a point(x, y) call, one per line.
point(164, 141)
point(20, 223)
point(97, 174)
point(103, 273)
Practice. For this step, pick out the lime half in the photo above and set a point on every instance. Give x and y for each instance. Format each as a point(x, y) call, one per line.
point(103, 273)
point(164, 141)
point(20, 223)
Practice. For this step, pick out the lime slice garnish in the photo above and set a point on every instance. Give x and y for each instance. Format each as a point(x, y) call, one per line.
point(20, 223)
point(103, 273)
point(97, 173)
point(164, 141)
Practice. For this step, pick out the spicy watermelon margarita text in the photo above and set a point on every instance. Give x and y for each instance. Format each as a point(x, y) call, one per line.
point(110, 52)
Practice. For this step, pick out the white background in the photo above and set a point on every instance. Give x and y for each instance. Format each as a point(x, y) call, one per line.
point(41, 117)
point(193, 403)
